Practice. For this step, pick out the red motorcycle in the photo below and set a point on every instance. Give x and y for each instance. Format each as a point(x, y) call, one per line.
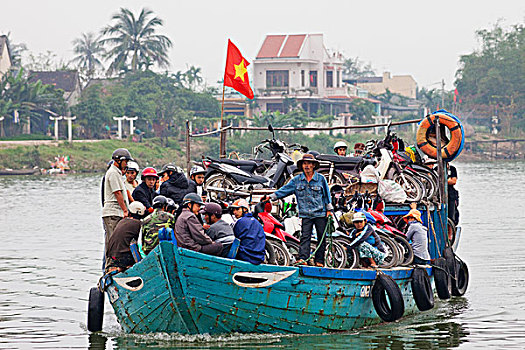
point(285, 245)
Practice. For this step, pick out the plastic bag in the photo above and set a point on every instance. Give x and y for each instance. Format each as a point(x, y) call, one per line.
point(391, 191)
point(369, 175)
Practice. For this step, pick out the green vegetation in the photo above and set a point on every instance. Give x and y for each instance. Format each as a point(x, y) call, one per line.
point(161, 105)
point(492, 79)
point(90, 156)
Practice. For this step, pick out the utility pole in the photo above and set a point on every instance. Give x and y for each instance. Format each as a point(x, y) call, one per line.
point(70, 128)
point(56, 119)
point(443, 94)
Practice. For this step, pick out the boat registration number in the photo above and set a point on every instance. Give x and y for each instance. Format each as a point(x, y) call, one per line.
point(365, 292)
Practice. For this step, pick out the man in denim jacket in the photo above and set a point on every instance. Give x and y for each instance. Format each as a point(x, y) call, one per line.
point(313, 198)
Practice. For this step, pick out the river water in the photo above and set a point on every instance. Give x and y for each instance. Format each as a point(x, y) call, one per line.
point(52, 239)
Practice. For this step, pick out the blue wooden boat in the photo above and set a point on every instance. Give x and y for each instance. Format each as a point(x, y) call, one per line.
point(177, 290)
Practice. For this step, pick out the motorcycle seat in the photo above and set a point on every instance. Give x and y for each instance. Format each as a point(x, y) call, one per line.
point(237, 162)
point(339, 159)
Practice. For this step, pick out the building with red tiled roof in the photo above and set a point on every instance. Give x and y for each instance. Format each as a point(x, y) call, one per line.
point(299, 66)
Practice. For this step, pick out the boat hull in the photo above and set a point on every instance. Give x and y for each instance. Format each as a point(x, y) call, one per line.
point(192, 293)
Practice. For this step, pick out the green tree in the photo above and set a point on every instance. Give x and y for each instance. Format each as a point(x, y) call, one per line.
point(89, 51)
point(355, 68)
point(29, 100)
point(92, 112)
point(494, 75)
point(362, 109)
point(193, 77)
point(134, 42)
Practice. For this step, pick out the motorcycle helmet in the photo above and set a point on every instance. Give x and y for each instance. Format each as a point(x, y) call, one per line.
point(149, 171)
point(137, 208)
point(192, 198)
point(121, 154)
point(196, 170)
point(159, 202)
point(340, 144)
point(133, 166)
point(240, 203)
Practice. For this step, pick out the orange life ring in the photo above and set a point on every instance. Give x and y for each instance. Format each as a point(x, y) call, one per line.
point(449, 150)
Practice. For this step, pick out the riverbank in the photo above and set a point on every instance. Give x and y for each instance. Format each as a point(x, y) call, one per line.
point(86, 155)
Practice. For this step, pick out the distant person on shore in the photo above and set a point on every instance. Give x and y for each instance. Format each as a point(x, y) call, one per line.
point(196, 182)
point(145, 192)
point(154, 222)
point(176, 186)
point(189, 231)
point(417, 235)
point(340, 148)
point(131, 176)
point(115, 194)
point(250, 232)
point(118, 251)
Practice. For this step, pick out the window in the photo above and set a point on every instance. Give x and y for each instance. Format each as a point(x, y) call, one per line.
point(313, 78)
point(329, 79)
point(302, 78)
point(274, 107)
point(338, 78)
point(276, 78)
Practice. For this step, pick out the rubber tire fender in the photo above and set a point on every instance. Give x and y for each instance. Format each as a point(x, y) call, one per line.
point(422, 289)
point(460, 287)
point(385, 287)
point(450, 257)
point(95, 310)
point(442, 279)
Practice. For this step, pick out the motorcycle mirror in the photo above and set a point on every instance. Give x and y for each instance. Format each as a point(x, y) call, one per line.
point(270, 128)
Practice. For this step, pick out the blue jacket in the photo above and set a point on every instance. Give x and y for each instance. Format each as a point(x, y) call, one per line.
point(252, 237)
point(313, 198)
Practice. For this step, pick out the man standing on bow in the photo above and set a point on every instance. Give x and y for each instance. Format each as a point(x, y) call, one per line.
point(116, 200)
point(313, 198)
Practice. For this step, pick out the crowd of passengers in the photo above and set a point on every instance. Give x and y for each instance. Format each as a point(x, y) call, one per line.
point(133, 210)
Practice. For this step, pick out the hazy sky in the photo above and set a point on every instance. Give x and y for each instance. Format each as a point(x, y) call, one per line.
point(422, 38)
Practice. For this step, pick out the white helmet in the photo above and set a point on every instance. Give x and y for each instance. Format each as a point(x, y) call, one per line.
point(133, 166)
point(340, 144)
point(137, 207)
point(196, 170)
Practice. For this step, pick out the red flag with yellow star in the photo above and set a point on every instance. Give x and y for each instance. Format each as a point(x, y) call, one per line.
point(236, 74)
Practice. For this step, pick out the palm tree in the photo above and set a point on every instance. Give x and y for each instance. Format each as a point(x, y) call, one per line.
point(133, 41)
point(179, 78)
point(89, 51)
point(193, 76)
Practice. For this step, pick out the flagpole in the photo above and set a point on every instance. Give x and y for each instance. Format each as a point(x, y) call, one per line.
point(222, 145)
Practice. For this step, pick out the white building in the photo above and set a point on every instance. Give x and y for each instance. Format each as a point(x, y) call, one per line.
point(5, 57)
point(299, 67)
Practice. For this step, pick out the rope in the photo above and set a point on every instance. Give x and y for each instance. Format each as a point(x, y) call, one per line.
point(429, 220)
point(327, 228)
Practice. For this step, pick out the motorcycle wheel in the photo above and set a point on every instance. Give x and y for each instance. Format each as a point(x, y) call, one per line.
point(412, 186)
point(407, 256)
point(269, 254)
point(337, 179)
point(219, 181)
point(293, 248)
point(282, 256)
point(428, 183)
point(391, 250)
point(336, 256)
point(352, 256)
